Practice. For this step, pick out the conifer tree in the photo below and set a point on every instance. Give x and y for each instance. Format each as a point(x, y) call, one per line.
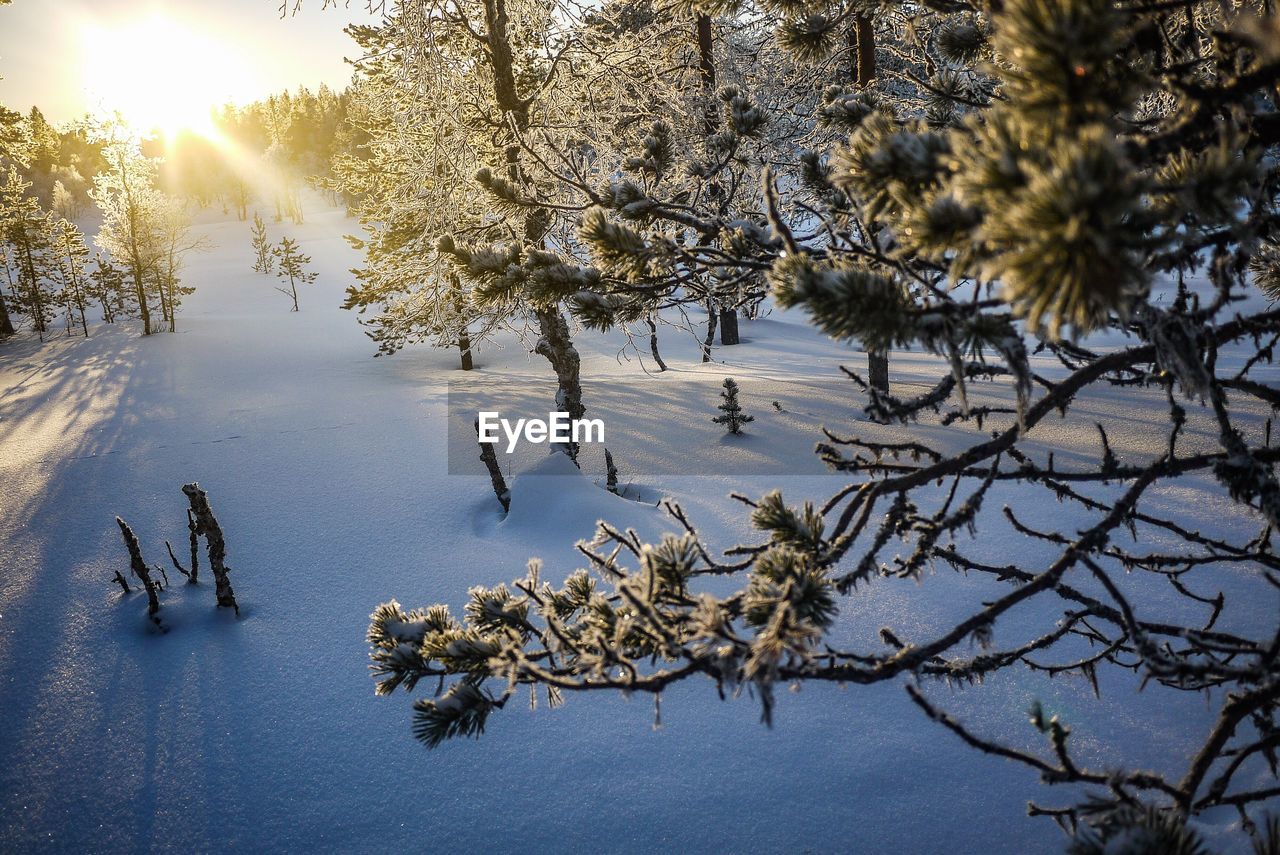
point(173, 242)
point(25, 227)
point(144, 230)
point(420, 240)
point(733, 418)
point(291, 267)
point(73, 266)
point(131, 210)
point(1036, 168)
point(263, 258)
point(6, 322)
point(65, 204)
point(107, 286)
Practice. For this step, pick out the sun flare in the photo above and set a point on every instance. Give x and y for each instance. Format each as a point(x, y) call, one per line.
point(160, 73)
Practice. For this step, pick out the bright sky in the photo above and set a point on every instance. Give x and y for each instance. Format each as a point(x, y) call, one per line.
point(164, 62)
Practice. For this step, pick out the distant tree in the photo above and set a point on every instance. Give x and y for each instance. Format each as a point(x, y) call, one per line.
point(25, 227)
point(263, 260)
point(145, 230)
point(107, 286)
point(65, 203)
point(175, 241)
point(73, 266)
point(292, 268)
point(6, 322)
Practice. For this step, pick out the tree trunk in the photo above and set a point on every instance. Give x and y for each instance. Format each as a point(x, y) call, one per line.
point(143, 309)
point(140, 569)
point(464, 346)
point(6, 325)
point(556, 345)
point(862, 41)
point(729, 326)
point(490, 459)
point(194, 540)
point(707, 71)
point(878, 370)
point(653, 343)
point(554, 342)
point(712, 316)
point(37, 299)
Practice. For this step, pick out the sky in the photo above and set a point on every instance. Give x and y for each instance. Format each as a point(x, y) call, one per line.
point(74, 56)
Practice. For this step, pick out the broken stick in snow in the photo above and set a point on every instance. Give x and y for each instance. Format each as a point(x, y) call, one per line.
point(174, 559)
point(611, 473)
point(139, 568)
point(207, 525)
point(195, 548)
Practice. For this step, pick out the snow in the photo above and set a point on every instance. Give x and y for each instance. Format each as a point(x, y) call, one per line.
point(331, 474)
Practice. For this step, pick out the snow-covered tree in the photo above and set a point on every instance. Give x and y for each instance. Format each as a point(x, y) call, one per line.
point(73, 267)
point(65, 203)
point(146, 231)
point(107, 286)
point(25, 228)
point(1025, 171)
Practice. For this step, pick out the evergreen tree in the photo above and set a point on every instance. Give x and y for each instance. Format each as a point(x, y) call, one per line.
point(263, 258)
point(1035, 167)
point(65, 204)
point(174, 241)
point(73, 266)
point(6, 322)
point(26, 229)
point(291, 266)
point(733, 418)
point(417, 189)
point(145, 231)
point(107, 286)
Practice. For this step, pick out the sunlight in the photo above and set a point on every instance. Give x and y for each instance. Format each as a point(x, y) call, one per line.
point(160, 73)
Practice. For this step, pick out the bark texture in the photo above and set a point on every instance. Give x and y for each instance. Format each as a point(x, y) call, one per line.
point(208, 528)
point(140, 568)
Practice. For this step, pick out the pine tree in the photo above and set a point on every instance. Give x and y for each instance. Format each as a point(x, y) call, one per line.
point(733, 418)
point(73, 266)
point(1032, 169)
point(26, 228)
point(6, 322)
point(173, 241)
point(263, 258)
point(436, 146)
point(291, 266)
point(107, 286)
point(65, 204)
point(130, 203)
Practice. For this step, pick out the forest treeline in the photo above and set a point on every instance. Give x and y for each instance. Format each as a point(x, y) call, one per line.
point(142, 190)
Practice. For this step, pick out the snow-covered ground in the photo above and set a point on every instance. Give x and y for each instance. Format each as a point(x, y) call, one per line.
point(329, 472)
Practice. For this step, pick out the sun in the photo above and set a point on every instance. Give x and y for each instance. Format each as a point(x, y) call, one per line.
point(160, 73)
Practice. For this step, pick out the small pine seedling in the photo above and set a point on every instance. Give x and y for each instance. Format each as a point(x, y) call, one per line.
point(733, 418)
point(263, 260)
point(292, 268)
